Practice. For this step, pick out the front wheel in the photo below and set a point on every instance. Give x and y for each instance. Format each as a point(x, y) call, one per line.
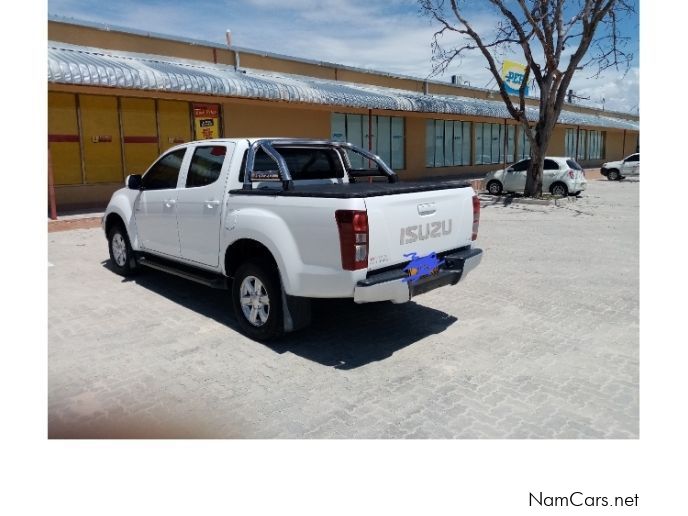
point(121, 254)
point(613, 175)
point(257, 300)
point(494, 187)
point(559, 189)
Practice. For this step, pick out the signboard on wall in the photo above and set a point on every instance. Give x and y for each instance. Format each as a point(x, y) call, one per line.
point(513, 73)
point(206, 121)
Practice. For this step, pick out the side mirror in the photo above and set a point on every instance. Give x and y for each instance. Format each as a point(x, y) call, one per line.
point(133, 181)
point(510, 169)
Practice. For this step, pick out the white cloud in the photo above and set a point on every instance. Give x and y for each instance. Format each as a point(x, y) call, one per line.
point(620, 92)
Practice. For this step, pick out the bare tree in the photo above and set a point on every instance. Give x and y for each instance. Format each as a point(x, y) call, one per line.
point(587, 32)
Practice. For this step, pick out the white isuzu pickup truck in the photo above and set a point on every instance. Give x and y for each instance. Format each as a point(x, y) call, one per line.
point(280, 221)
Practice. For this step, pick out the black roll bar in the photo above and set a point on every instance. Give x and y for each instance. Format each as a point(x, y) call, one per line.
point(268, 146)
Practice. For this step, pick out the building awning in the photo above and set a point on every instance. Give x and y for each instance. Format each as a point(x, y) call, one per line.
point(86, 66)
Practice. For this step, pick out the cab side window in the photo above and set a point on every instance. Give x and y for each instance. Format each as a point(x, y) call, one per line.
point(206, 165)
point(521, 166)
point(163, 175)
point(635, 157)
point(550, 164)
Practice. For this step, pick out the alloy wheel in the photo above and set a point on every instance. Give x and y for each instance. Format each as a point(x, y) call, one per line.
point(119, 249)
point(254, 300)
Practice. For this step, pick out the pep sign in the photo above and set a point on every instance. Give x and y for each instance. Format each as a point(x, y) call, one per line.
point(513, 74)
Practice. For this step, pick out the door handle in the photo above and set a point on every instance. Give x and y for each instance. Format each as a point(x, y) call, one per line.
point(169, 203)
point(212, 204)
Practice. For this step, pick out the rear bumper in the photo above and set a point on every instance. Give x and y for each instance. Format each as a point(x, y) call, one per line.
point(390, 285)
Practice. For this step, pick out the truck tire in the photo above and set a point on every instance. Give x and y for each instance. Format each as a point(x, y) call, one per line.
point(121, 253)
point(257, 300)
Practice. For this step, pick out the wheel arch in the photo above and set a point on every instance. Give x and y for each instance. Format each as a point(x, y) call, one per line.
point(247, 249)
point(114, 219)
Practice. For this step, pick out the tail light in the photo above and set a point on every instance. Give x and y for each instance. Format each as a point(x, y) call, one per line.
point(353, 238)
point(476, 217)
point(571, 174)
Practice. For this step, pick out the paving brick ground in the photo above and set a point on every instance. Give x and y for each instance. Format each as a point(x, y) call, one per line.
point(541, 341)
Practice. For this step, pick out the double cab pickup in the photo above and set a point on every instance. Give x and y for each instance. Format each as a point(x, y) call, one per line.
point(280, 221)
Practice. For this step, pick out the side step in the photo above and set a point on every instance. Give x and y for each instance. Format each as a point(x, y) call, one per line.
point(208, 279)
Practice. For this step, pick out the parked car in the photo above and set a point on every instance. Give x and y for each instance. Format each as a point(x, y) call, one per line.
point(616, 170)
point(561, 176)
point(277, 222)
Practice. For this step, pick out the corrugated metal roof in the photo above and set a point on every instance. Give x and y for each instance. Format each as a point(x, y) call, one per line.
point(78, 65)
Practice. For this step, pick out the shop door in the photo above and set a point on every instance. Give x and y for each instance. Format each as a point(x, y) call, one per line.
point(101, 139)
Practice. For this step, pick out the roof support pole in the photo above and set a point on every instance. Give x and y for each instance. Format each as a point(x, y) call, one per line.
point(51, 188)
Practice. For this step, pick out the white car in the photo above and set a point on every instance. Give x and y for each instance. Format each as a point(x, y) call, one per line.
point(561, 176)
point(616, 170)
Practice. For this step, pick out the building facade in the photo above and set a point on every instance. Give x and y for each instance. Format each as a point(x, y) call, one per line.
point(117, 98)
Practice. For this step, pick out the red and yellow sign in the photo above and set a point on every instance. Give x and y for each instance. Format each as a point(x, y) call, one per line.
point(206, 121)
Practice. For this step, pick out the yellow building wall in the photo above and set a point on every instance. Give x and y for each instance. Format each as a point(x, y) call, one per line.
point(101, 139)
point(613, 145)
point(631, 143)
point(246, 120)
point(112, 39)
point(63, 138)
point(140, 131)
point(557, 143)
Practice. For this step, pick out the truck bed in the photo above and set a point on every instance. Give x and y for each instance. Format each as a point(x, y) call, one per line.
point(355, 190)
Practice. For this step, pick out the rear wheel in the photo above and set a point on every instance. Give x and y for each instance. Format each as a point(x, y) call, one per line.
point(121, 254)
point(257, 300)
point(494, 187)
point(559, 189)
point(613, 175)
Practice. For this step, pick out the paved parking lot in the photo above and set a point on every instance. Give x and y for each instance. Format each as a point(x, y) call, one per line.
point(541, 341)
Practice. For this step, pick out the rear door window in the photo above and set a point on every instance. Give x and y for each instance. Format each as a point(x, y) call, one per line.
point(550, 164)
point(206, 165)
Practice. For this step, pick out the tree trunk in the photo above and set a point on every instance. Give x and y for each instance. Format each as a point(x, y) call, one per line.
point(534, 177)
point(538, 148)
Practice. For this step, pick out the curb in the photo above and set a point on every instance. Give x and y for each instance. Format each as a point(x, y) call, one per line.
point(76, 223)
point(506, 201)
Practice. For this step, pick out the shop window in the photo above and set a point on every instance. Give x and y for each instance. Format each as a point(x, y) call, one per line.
point(382, 135)
point(447, 143)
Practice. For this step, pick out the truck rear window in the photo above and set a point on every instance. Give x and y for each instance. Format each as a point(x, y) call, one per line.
point(303, 163)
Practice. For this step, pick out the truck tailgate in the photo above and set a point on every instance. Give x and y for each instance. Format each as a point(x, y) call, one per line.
point(419, 222)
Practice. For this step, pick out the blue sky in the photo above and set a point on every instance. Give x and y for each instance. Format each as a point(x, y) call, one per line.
point(384, 35)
